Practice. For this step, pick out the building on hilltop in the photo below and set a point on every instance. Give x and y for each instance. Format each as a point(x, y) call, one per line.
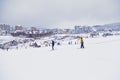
point(83, 29)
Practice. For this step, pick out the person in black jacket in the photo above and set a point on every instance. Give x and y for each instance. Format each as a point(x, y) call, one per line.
point(53, 43)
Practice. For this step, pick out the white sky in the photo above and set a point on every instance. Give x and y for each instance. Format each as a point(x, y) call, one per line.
point(59, 13)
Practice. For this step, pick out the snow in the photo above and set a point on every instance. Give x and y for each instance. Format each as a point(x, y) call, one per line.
point(100, 60)
point(4, 39)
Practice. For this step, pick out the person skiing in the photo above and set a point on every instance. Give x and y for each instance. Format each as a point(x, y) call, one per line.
point(53, 43)
point(82, 42)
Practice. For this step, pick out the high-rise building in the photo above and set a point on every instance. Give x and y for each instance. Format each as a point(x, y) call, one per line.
point(77, 29)
point(4, 29)
point(18, 27)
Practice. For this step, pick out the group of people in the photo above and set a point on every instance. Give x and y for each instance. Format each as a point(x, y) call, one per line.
point(81, 41)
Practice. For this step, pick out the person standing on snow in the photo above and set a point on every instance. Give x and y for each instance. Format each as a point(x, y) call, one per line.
point(82, 42)
point(53, 43)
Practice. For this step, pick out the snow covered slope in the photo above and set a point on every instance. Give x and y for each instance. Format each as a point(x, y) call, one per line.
point(100, 60)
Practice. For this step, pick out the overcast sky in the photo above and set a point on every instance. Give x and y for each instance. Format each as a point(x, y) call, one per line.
point(59, 13)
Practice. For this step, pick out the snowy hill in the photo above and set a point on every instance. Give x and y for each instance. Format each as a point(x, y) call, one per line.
point(100, 60)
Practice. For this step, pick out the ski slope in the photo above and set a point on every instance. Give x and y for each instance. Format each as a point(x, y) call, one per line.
point(100, 60)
